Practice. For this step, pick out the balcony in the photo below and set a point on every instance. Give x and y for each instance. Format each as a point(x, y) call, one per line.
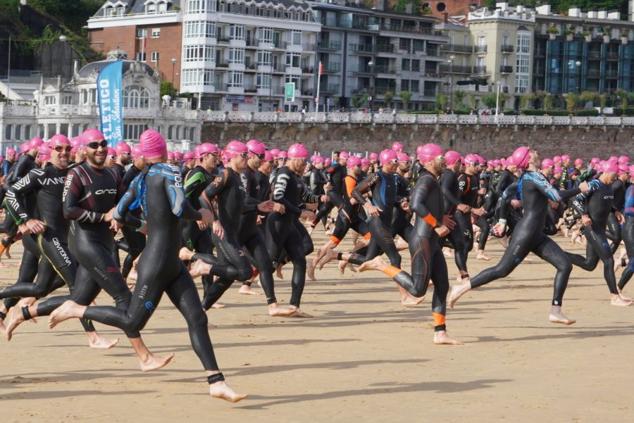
point(383, 90)
point(308, 69)
point(479, 70)
point(456, 48)
point(250, 89)
point(611, 73)
point(594, 55)
point(332, 67)
point(385, 69)
point(329, 45)
point(613, 55)
point(222, 64)
point(593, 73)
point(330, 90)
point(481, 49)
point(454, 69)
point(507, 48)
point(362, 48)
point(385, 48)
point(504, 69)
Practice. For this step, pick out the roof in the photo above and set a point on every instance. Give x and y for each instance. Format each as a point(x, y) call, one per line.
point(91, 70)
point(136, 6)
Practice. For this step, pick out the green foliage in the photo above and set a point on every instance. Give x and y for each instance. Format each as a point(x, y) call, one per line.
point(441, 101)
point(571, 102)
point(387, 98)
point(167, 88)
point(406, 97)
point(359, 100)
point(548, 102)
point(489, 100)
point(73, 13)
point(458, 99)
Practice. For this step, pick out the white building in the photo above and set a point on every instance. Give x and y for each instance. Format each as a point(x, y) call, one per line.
point(70, 108)
point(238, 54)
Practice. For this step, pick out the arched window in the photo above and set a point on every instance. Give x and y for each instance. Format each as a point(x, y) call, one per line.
point(135, 97)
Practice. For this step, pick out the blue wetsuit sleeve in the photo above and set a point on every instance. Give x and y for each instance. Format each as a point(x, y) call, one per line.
point(629, 202)
point(580, 202)
point(176, 195)
point(121, 210)
point(505, 199)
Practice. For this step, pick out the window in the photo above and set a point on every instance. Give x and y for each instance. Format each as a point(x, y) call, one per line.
point(67, 99)
point(292, 59)
point(235, 79)
point(194, 29)
point(200, 53)
point(236, 55)
point(294, 79)
point(414, 86)
point(84, 96)
point(7, 132)
point(415, 65)
point(136, 97)
point(404, 44)
point(264, 57)
point(120, 10)
point(263, 80)
point(156, 32)
point(141, 33)
point(296, 38)
point(162, 7)
point(521, 83)
point(523, 43)
point(49, 100)
point(236, 32)
point(522, 63)
point(405, 64)
point(196, 6)
point(405, 85)
point(141, 56)
point(150, 8)
point(265, 35)
point(109, 11)
point(18, 132)
point(155, 56)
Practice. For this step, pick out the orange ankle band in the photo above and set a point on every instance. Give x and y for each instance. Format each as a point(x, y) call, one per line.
point(439, 319)
point(334, 239)
point(367, 236)
point(430, 220)
point(392, 271)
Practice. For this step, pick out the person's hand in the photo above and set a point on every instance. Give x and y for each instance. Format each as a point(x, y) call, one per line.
point(619, 217)
point(323, 198)
point(202, 225)
point(372, 210)
point(499, 228)
point(463, 208)
point(553, 204)
point(479, 211)
point(33, 226)
point(448, 222)
point(206, 216)
point(327, 187)
point(108, 216)
point(515, 203)
point(266, 206)
point(307, 215)
point(217, 229)
point(279, 208)
point(584, 187)
point(115, 226)
point(585, 220)
point(442, 231)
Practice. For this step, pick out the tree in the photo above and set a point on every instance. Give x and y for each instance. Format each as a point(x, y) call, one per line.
point(548, 102)
point(458, 99)
point(167, 88)
point(406, 97)
point(441, 101)
point(526, 101)
point(359, 101)
point(490, 100)
point(571, 102)
point(387, 98)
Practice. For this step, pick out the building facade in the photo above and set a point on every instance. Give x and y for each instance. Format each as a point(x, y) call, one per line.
point(70, 108)
point(377, 58)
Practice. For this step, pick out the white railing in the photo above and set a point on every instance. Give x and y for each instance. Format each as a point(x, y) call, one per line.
point(412, 119)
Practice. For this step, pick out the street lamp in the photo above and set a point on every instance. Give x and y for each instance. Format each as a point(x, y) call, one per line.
point(63, 38)
point(450, 61)
point(578, 65)
point(173, 67)
point(372, 82)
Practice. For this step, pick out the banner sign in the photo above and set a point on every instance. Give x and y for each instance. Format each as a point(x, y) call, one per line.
point(110, 100)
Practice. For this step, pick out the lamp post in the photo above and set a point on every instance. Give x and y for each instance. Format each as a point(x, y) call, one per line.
point(64, 39)
point(578, 65)
point(173, 67)
point(450, 61)
point(9, 69)
point(372, 81)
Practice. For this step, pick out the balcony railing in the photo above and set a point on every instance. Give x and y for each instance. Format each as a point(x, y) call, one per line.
point(506, 69)
point(455, 69)
point(507, 48)
point(479, 70)
point(481, 49)
point(385, 48)
point(456, 48)
point(362, 48)
point(332, 67)
point(329, 45)
point(385, 68)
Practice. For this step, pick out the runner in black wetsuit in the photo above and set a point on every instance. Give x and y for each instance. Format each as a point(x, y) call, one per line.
point(283, 231)
point(594, 207)
point(50, 231)
point(159, 269)
point(628, 236)
point(614, 232)
point(196, 235)
point(336, 175)
point(535, 193)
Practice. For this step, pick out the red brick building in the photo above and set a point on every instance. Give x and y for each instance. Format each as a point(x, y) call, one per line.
point(449, 8)
point(153, 37)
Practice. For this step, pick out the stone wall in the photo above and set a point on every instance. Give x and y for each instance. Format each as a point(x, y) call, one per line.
point(489, 141)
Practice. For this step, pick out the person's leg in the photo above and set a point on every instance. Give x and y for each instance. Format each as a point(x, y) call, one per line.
point(590, 261)
point(614, 232)
point(440, 278)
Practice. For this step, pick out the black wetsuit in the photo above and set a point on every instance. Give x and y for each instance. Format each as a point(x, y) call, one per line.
point(57, 262)
point(528, 236)
point(451, 199)
point(613, 232)
point(349, 216)
point(160, 269)
point(468, 185)
point(628, 236)
point(133, 241)
point(598, 204)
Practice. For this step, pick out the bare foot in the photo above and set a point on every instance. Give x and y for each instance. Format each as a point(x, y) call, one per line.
point(296, 312)
point(13, 320)
point(199, 268)
point(277, 311)
point(482, 256)
point(154, 363)
point(342, 266)
point(441, 338)
point(618, 301)
point(185, 254)
point(411, 301)
point(218, 305)
point(278, 271)
point(99, 342)
point(557, 316)
point(376, 263)
point(222, 391)
point(328, 257)
point(246, 290)
point(310, 270)
point(457, 291)
point(66, 311)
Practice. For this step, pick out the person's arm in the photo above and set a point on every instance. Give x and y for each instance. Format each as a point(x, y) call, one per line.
point(21, 169)
point(193, 182)
point(15, 195)
point(447, 181)
point(505, 199)
point(364, 187)
point(176, 195)
point(418, 199)
point(279, 193)
point(129, 176)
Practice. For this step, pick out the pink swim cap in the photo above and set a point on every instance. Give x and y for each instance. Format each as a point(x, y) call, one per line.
point(235, 148)
point(470, 159)
point(353, 161)
point(136, 152)
point(188, 155)
point(578, 162)
point(92, 135)
point(565, 157)
point(58, 140)
point(152, 144)
point(388, 157)
point(623, 168)
point(10, 152)
point(397, 146)
point(206, 148)
point(268, 156)
point(402, 157)
point(282, 155)
point(344, 155)
point(557, 159)
point(521, 157)
point(546, 163)
point(452, 157)
point(317, 159)
point(327, 161)
point(112, 152)
point(373, 157)
point(298, 151)
point(429, 152)
point(275, 152)
point(25, 146)
point(43, 153)
point(35, 142)
point(557, 170)
point(123, 148)
point(365, 162)
point(609, 167)
point(595, 161)
point(624, 160)
point(256, 147)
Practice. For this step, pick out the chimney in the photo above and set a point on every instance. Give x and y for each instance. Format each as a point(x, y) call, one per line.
point(445, 17)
